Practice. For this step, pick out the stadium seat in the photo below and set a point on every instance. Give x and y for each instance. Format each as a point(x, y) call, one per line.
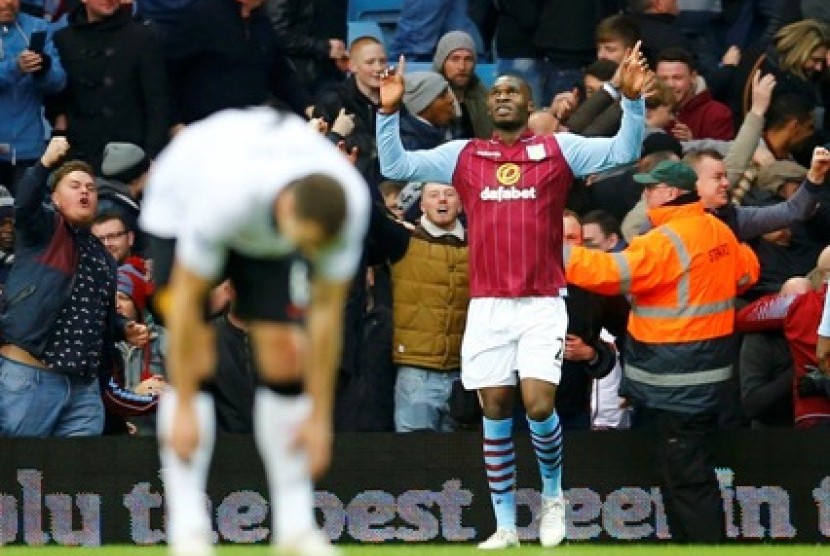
point(487, 73)
point(359, 29)
point(415, 66)
point(381, 11)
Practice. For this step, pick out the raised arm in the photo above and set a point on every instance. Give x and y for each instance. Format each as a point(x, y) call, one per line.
point(590, 155)
point(437, 164)
point(743, 147)
point(754, 221)
point(32, 218)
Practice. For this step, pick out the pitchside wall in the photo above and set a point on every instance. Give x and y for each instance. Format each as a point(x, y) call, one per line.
point(390, 488)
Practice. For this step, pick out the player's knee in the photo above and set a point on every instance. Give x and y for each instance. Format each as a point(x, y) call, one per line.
point(539, 409)
point(497, 408)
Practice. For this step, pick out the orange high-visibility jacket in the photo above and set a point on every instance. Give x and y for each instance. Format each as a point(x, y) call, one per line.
point(682, 278)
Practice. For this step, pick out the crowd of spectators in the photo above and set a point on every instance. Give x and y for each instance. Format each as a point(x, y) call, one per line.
point(741, 95)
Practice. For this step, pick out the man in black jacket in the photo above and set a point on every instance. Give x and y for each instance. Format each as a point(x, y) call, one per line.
point(225, 54)
point(359, 95)
point(116, 85)
point(320, 59)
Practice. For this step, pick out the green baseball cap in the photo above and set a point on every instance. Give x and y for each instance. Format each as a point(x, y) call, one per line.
point(670, 172)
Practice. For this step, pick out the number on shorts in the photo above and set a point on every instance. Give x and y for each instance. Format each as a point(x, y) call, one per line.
point(560, 352)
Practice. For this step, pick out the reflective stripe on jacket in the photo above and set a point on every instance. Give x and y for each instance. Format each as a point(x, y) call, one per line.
point(682, 278)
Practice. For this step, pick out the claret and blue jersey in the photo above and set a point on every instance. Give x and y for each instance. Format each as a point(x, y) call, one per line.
point(513, 195)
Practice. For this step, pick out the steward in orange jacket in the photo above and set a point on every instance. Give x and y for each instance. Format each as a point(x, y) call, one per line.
point(682, 278)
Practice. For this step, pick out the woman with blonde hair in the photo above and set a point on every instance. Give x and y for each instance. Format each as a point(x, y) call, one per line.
point(798, 58)
point(802, 48)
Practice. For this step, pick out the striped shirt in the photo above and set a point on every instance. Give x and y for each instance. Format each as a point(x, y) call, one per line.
point(513, 195)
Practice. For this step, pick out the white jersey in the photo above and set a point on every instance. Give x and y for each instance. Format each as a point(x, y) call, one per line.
point(213, 189)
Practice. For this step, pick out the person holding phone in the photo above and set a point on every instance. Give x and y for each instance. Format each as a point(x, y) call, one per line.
point(29, 69)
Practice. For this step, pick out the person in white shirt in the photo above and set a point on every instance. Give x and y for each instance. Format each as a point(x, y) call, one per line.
point(607, 407)
point(255, 196)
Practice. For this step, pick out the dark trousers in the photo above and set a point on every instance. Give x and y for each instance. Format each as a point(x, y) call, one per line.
point(694, 506)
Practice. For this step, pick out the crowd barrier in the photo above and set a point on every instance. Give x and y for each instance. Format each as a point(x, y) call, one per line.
point(411, 488)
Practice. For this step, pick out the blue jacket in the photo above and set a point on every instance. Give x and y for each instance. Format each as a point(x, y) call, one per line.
point(41, 280)
point(21, 94)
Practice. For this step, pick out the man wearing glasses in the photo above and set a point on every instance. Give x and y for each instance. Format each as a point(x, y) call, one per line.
point(116, 236)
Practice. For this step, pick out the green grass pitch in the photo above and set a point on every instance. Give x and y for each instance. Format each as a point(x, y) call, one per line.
point(451, 550)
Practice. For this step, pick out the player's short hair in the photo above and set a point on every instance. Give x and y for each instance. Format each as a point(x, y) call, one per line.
point(321, 199)
point(67, 168)
point(618, 28)
point(786, 107)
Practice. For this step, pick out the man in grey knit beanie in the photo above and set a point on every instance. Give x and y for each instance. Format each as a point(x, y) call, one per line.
point(449, 43)
point(455, 59)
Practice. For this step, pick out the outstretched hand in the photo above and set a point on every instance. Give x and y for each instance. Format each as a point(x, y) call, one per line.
point(392, 87)
point(634, 73)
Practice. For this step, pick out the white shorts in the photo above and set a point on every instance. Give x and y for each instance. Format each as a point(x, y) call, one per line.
point(509, 335)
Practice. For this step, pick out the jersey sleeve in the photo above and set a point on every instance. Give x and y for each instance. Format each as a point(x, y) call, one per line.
point(436, 164)
point(589, 155)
